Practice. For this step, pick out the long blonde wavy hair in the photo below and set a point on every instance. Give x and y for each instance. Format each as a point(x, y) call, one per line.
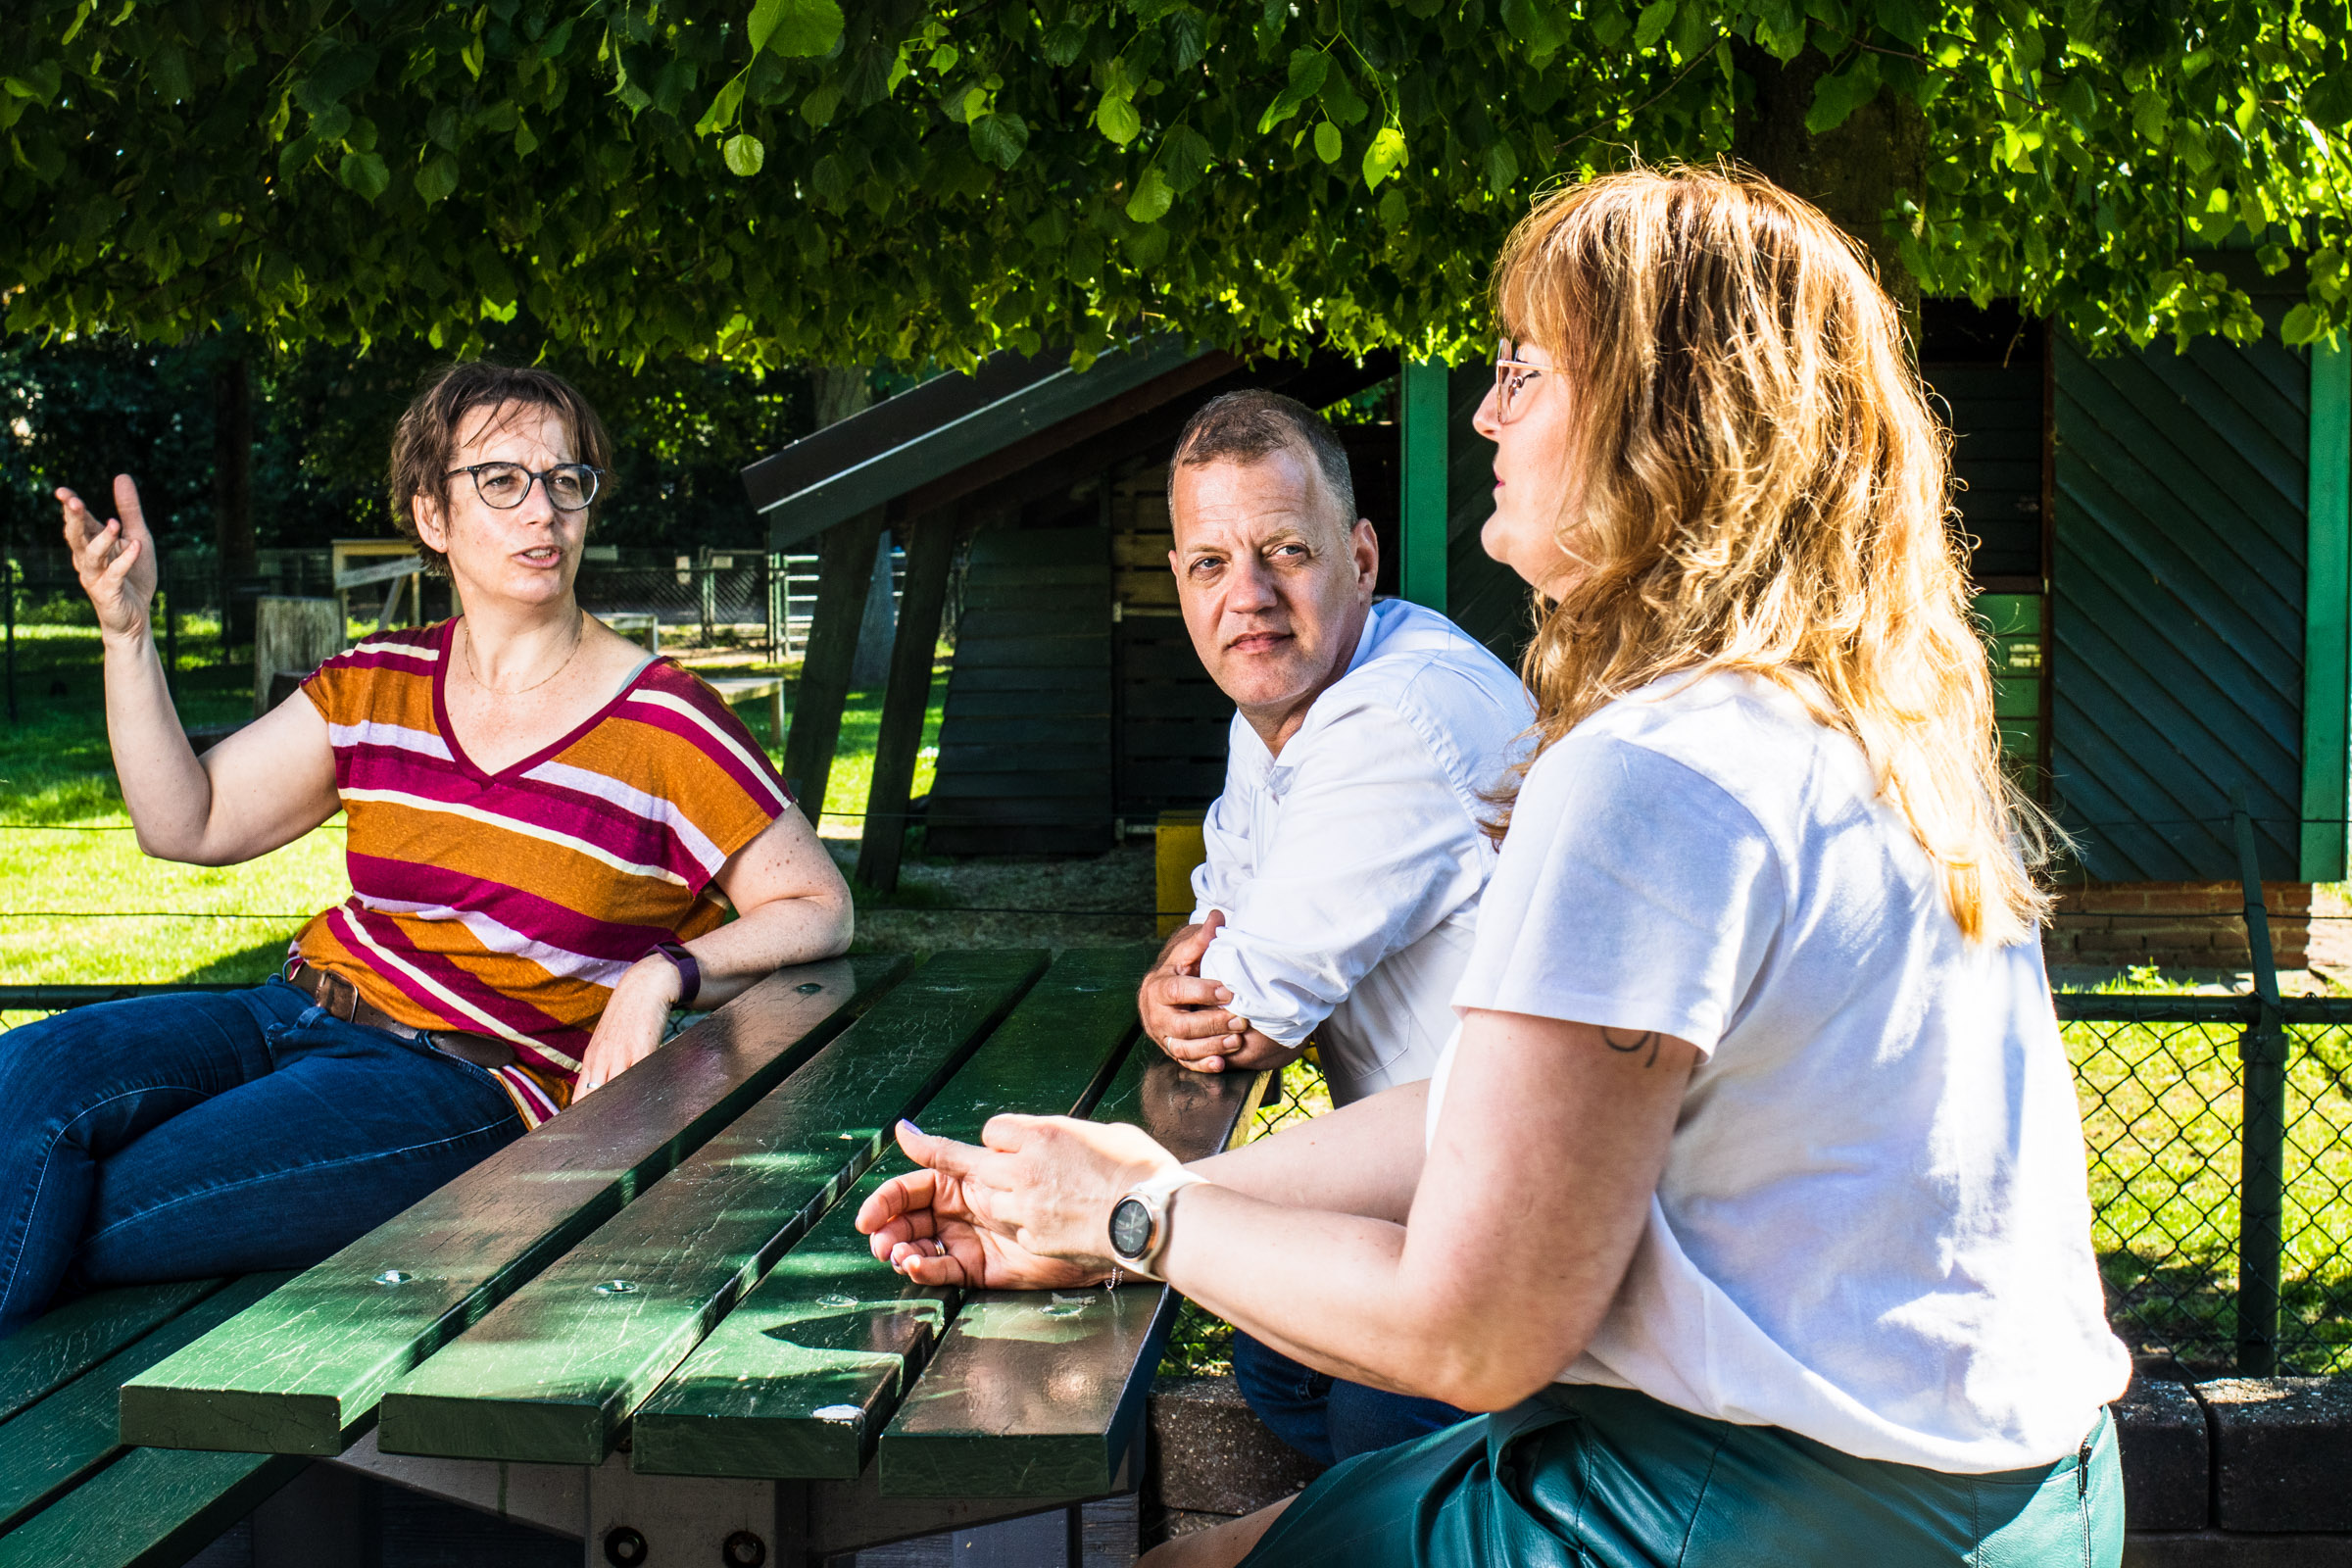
point(1763, 489)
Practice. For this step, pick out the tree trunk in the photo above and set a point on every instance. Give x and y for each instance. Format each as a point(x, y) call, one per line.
point(1856, 174)
point(232, 468)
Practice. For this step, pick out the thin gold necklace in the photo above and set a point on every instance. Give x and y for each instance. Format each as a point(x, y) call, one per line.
point(580, 636)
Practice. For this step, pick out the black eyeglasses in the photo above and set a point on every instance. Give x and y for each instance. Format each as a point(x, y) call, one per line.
point(503, 485)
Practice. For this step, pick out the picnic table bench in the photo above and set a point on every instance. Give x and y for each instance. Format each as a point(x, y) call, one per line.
point(649, 1324)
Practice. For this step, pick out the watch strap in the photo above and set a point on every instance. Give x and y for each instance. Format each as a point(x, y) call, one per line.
point(1156, 1193)
point(690, 974)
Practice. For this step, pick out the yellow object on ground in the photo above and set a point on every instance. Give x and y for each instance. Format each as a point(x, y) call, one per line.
point(1180, 848)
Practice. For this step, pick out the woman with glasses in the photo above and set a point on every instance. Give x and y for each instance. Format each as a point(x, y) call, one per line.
point(548, 834)
point(1748, 1198)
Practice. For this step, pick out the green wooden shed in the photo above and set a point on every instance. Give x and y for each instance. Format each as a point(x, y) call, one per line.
point(2158, 539)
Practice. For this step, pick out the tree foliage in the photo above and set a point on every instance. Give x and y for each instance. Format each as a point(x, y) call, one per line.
point(784, 181)
point(76, 413)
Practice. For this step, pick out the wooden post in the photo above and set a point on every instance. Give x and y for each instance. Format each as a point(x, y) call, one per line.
point(292, 635)
point(845, 566)
point(930, 556)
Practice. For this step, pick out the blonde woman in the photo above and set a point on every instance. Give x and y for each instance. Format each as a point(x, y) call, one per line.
point(1749, 1196)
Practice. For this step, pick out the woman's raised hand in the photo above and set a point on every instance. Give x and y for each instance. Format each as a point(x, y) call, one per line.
point(1028, 1211)
point(115, 560)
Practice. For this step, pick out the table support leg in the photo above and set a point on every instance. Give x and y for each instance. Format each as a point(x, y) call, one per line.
point(664, 1520)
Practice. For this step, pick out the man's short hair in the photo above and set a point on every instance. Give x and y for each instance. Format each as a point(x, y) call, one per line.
point(1245, 426)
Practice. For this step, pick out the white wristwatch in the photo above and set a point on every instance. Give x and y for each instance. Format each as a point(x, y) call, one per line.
point(1139, 1221)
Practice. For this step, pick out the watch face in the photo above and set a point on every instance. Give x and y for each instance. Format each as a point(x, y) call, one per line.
point(1131, 1228)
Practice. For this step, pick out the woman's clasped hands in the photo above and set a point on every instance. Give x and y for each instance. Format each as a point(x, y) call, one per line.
point(1028, 1208)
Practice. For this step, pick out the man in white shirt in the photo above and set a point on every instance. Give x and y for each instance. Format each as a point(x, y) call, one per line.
point(1345, 855)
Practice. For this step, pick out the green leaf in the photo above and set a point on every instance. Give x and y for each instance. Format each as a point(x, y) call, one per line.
point(365, 173)
point(1000, 138)
point(1836, 97)
point(1392, 210)
point(1327, 142)
point(526, 140)
point(1184, 156)
point(1533, 25)
point(1152, 197)
point(1116, 119)
point(1502, 167)
point(1341, 101)
point(1063, 43)
point(437, 180)
point(1908, 20)
point(341, 71)
point(721, 113)
point(2302, 325)
point(795, 27)
point(744, 154)
point(81, 13)
point(1309, 66)
point(1384, 157)
point(817, 108)
point(1655, 19)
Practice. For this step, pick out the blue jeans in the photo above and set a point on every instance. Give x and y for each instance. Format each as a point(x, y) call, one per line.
point(178, 1136)
point(1326, 1418)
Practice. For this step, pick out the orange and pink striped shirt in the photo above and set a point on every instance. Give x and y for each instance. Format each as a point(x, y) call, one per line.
point(509, 903)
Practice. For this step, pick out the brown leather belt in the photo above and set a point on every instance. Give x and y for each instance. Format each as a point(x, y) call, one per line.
point(342, 999)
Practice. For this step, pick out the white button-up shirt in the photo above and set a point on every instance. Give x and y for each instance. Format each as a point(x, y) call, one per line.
point(1349, 868)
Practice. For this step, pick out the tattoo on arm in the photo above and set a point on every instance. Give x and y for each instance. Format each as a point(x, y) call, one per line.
point(1625, 1041)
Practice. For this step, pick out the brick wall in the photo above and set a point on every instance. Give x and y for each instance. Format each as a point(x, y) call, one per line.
point(2182, 925)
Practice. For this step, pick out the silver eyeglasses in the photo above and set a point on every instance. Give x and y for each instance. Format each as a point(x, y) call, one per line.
point(1511, 376)
point(503, 485)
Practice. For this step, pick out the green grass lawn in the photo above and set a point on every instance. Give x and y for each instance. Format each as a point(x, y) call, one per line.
point(79, 903)
point(2160, 1120)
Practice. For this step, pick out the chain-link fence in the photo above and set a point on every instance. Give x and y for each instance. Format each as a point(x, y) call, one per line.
point(2162, 1082)
point(1200, 1343)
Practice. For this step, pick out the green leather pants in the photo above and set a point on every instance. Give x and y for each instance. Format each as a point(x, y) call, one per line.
point(1583, 1477)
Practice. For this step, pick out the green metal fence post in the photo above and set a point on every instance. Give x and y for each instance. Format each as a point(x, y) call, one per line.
point(2262, 1159)
point(1421, 398)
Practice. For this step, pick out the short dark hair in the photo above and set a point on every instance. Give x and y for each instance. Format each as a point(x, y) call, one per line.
point(427, 437)
point(1245, 426)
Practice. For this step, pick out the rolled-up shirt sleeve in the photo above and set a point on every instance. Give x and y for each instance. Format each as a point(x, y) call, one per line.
point(1375, 848)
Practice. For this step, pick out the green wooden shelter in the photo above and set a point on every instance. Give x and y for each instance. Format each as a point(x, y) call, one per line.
point(2158, 541)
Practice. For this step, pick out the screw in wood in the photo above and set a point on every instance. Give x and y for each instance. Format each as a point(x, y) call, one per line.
point(616, 1288)
point(742, 1549)
point(625, 1546)
point(393, 1276)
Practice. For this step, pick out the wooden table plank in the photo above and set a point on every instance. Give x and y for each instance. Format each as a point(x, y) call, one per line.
point(301, 1372)
point(151, 1508)
point(552, 1375)
point(66, 1342)
point(832, 1330)
point(56, 1443)
point(1037, 1393)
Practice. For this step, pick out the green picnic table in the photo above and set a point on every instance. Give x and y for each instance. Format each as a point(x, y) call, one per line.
point(649, 1324)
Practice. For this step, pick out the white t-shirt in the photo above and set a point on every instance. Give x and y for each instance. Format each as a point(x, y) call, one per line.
point(1348, 868)
point(1873, 1227)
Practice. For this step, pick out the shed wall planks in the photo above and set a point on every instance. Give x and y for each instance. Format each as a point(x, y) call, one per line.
point(1025, 755)
point(2178, 588)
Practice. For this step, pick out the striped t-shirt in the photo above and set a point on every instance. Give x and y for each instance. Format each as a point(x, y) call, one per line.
point(509, 903)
